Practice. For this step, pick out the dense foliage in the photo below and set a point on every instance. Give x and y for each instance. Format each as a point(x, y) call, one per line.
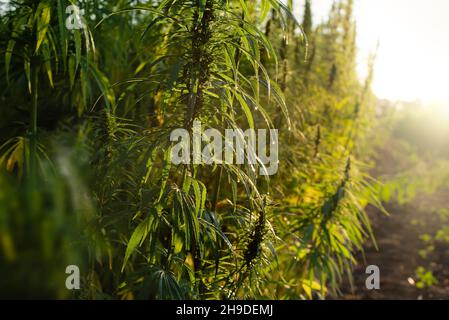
point(86, 176)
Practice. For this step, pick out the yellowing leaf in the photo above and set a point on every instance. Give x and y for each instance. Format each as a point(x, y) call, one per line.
point(43, 22)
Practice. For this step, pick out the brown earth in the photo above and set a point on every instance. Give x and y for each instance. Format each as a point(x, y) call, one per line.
point(399, 239)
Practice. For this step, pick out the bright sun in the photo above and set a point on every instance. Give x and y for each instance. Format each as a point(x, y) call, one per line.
point(413, 59)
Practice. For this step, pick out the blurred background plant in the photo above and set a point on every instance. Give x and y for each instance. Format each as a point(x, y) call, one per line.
point(412, 163)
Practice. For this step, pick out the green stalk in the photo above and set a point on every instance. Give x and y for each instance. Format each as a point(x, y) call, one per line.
point(237, 57)
point(33, 121)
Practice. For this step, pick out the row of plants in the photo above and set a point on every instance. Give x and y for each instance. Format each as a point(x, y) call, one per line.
point(86, 176)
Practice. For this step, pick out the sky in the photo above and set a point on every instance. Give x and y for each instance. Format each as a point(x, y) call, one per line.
point(413, 57)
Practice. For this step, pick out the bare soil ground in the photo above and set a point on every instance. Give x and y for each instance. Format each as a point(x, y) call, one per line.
point(398, 255)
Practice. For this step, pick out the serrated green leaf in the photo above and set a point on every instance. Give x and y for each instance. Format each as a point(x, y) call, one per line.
point(137, 238)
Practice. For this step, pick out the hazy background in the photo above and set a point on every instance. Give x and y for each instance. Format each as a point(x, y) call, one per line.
point(413, 56)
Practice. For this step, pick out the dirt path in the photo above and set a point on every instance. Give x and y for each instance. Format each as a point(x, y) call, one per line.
point(400, 239)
